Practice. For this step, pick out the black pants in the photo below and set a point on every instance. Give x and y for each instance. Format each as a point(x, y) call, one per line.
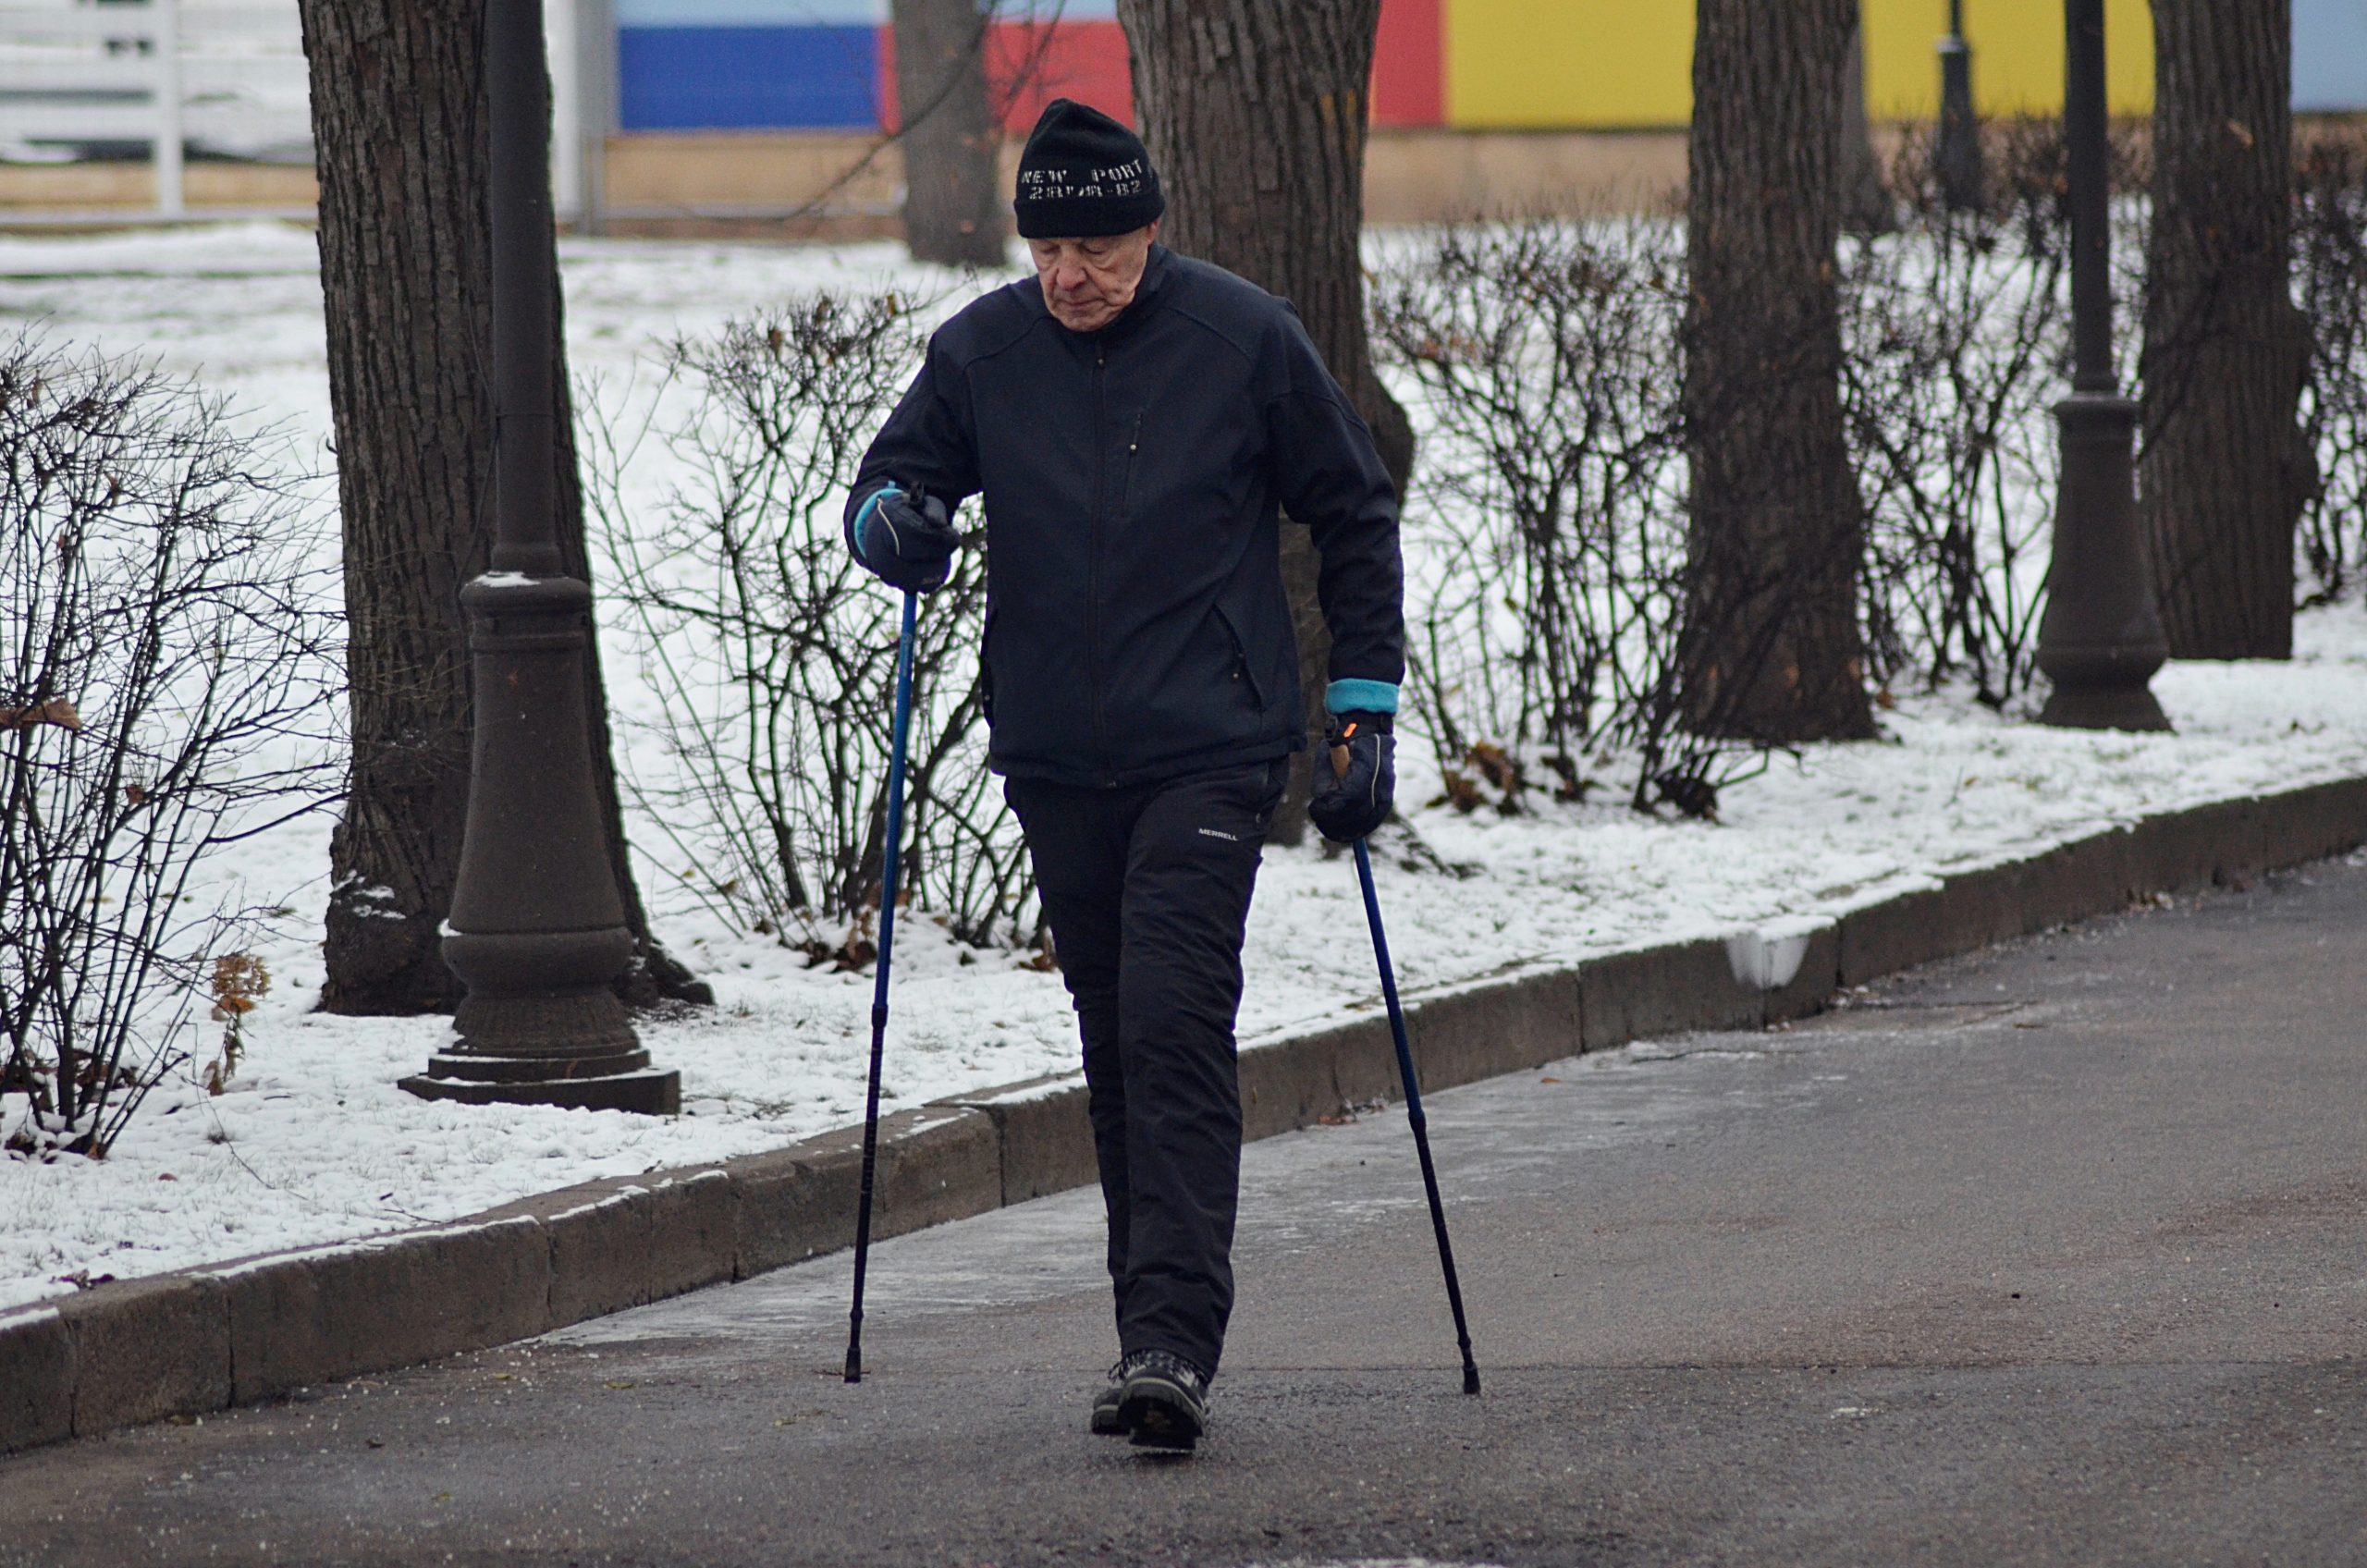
point(1147, 892)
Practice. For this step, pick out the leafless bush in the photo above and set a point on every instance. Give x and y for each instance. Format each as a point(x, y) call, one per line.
point(1955, 330)
point(167, 684)
point(1543, 362)
point(2025, 224)
point(2330, 267)
point(1545, 358)
point(1542, 355)
point(773, 654)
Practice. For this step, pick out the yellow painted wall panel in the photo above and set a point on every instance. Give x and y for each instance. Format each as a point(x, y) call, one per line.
point(2016, 56)
point(1609, 64)
point(1903, 58)
point(1520, 64)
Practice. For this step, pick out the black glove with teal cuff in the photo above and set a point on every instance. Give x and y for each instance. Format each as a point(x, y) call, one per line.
point(907, 542)
point(1356, 783)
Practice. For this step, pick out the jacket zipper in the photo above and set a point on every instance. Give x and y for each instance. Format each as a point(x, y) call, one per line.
point(1093, 574)
point(1126, 484)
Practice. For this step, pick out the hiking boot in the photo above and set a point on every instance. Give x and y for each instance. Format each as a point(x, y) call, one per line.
point(1109, 1404)
point(1165, 1401)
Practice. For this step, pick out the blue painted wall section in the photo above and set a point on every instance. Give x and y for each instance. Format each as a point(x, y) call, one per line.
point(747, 78)
point(750, 13)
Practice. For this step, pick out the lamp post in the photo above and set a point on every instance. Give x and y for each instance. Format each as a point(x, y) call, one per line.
point(538, 930)
point(2101, 640)
point(1955, 155)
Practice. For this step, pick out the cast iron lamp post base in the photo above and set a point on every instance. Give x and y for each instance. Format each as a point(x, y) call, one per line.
point(2103, 708)
point(2101, 639)
point(537, 929)
point(650, 1092)
point(574, 1050)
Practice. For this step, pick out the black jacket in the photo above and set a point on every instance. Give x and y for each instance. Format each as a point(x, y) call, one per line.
point(1136, 626)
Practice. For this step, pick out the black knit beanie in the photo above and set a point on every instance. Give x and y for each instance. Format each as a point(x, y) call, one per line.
point(1083, 174)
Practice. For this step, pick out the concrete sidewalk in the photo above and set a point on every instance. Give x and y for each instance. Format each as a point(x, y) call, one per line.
point(2052, 1254)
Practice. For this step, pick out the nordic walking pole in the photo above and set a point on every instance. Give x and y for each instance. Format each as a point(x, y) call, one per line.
point(1413, 1116)
point(879, 984)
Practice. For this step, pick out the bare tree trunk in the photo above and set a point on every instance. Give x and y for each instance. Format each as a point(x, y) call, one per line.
point(1254, 114)
point(2225, 472)
point(953, 200)
point(400, 136)
point(1772, 648)
point(1865, 196)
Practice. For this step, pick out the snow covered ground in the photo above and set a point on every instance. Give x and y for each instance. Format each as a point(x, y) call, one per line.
point(313, 1143)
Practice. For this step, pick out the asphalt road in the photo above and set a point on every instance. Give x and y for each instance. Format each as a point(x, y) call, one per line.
point(2057, 1253)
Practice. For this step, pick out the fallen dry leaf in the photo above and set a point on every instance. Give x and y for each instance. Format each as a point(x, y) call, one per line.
point(58, 711)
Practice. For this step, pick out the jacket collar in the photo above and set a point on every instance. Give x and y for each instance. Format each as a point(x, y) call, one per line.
point(1157, 271)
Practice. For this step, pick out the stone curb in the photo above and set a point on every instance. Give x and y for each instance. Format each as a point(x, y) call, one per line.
point(231, 1333)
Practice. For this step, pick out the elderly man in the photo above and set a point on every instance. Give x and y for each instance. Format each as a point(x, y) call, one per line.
point(1137, 423)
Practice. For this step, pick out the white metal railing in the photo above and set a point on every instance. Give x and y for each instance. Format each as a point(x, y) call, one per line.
point(224, 75)
point(228, 77)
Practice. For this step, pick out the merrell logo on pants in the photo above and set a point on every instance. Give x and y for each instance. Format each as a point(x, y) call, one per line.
point(1213, 833)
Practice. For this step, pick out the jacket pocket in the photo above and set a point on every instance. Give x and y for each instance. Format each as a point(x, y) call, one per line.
point(1243, 670)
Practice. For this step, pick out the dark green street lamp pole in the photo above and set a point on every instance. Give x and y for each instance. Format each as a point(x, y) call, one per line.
point(1955, 155)
point(538, 930)
point(2101, 640)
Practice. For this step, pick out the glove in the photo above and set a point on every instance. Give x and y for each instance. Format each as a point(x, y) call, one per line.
point(1351, 801)
point(910, 546)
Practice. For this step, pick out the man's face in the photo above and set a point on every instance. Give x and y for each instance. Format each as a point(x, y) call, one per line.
point(1088, 282)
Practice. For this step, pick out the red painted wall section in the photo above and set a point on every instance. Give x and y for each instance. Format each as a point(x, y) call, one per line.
point(1408, 64)
point(1033, 63)
point(1029, 64)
